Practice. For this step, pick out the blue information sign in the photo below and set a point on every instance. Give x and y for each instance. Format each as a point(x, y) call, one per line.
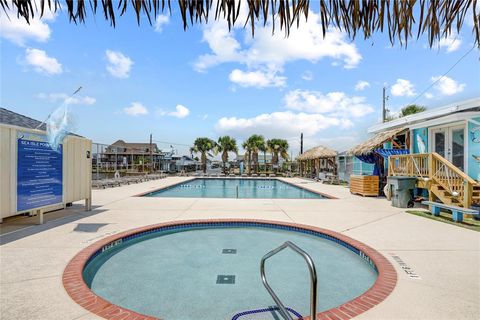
point(39, 172)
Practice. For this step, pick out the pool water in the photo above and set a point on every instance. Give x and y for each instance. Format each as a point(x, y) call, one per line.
point(236, 188)
point(174, 274)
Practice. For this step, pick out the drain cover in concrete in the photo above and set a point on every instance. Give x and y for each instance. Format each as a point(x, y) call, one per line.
point(225, 279)
point(229, 251)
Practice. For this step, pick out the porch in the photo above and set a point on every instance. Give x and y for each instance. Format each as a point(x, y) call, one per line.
point(443, 180)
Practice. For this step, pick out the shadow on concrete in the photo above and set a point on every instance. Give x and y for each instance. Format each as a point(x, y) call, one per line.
point(24, 226)
point(89, 227)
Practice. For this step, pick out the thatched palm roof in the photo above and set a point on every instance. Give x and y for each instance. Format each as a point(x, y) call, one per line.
point(319, 152)
point(374, 142)
point(401, 20)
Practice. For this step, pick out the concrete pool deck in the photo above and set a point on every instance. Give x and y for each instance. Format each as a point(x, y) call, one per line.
point(445, 257)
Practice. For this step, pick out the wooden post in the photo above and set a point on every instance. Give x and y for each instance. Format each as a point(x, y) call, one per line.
point(431, 195)
point(151, 154)
point(467, 194)
point(88, 203)
point(39, 216)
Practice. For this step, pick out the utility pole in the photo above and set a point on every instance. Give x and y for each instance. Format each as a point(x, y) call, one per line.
point(300, 167)
point(151, 155)
point(301, 143)
point(384, 110)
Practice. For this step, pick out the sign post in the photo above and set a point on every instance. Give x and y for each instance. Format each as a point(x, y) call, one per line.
point(39, 173)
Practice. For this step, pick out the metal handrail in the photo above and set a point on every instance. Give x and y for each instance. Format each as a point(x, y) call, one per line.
point(313, 279)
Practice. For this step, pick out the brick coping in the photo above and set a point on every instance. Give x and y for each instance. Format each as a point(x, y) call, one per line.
point(78, 290)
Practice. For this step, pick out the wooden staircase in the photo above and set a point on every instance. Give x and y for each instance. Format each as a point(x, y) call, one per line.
point(440, 177)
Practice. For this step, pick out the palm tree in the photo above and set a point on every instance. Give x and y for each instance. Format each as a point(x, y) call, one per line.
point(400, 20)
point(264, 148)
point(203, 146)
point(278, 148)
point(225, 145)
point(411, 109)
point(406, 111)
point(248, 155)
point(253, 145)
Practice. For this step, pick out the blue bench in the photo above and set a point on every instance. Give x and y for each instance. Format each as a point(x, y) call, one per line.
point(457, 212)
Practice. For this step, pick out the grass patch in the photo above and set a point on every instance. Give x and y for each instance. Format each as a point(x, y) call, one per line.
point(468, 223)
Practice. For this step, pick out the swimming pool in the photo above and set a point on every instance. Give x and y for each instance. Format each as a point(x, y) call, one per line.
point(236, 188)
point(210, 270)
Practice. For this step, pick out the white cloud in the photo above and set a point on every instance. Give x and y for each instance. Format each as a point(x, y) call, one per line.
point(67, 99)
point(162, 20)
point(18, 31)
point(136, 109)
point(307, 75)
point(279, 124)
point(402, 88)
point(447, 86)
point(304, 43)
point(180, 112)
point(428, 95)
point(41, 62)
point(451, 43)
point(259, 79)
point(118, 65)
point(362, 85)
point(272, 52)
point(334, 103)
point(310, 112)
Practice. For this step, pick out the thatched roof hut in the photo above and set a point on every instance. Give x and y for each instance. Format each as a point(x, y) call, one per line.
point(316, 160)
point(363, 17)
point(319, 152)
point(374, 142)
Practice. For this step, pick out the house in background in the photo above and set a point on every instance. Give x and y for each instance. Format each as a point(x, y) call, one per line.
point(133, 157)
point(444, 151)
point(452, 131)
point(185, 163)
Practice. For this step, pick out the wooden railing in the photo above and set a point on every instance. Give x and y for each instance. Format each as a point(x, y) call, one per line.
point(433, 167)
point(411, 165)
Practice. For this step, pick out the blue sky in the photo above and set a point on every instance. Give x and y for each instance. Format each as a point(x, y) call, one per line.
point(205, 81)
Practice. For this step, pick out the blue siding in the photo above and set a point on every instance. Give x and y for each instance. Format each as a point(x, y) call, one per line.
point(474, 149)
point(362, 168)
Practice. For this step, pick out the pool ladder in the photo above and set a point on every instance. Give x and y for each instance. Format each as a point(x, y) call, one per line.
point(313, 279)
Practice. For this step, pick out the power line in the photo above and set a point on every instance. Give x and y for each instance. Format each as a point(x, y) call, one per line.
point(172, 143)
point(443, 75)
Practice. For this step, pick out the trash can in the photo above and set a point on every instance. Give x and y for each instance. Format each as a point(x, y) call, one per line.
point(401, 188)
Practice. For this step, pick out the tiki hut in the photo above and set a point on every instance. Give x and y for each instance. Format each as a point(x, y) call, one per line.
point(377, 141)
point(373, 151)
point(317, 160)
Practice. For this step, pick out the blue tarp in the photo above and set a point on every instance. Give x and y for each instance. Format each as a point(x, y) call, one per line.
point(391, 152)
point(371, 158)
point(375, 157)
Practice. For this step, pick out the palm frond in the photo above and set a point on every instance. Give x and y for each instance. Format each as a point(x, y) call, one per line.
point(399, 19)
